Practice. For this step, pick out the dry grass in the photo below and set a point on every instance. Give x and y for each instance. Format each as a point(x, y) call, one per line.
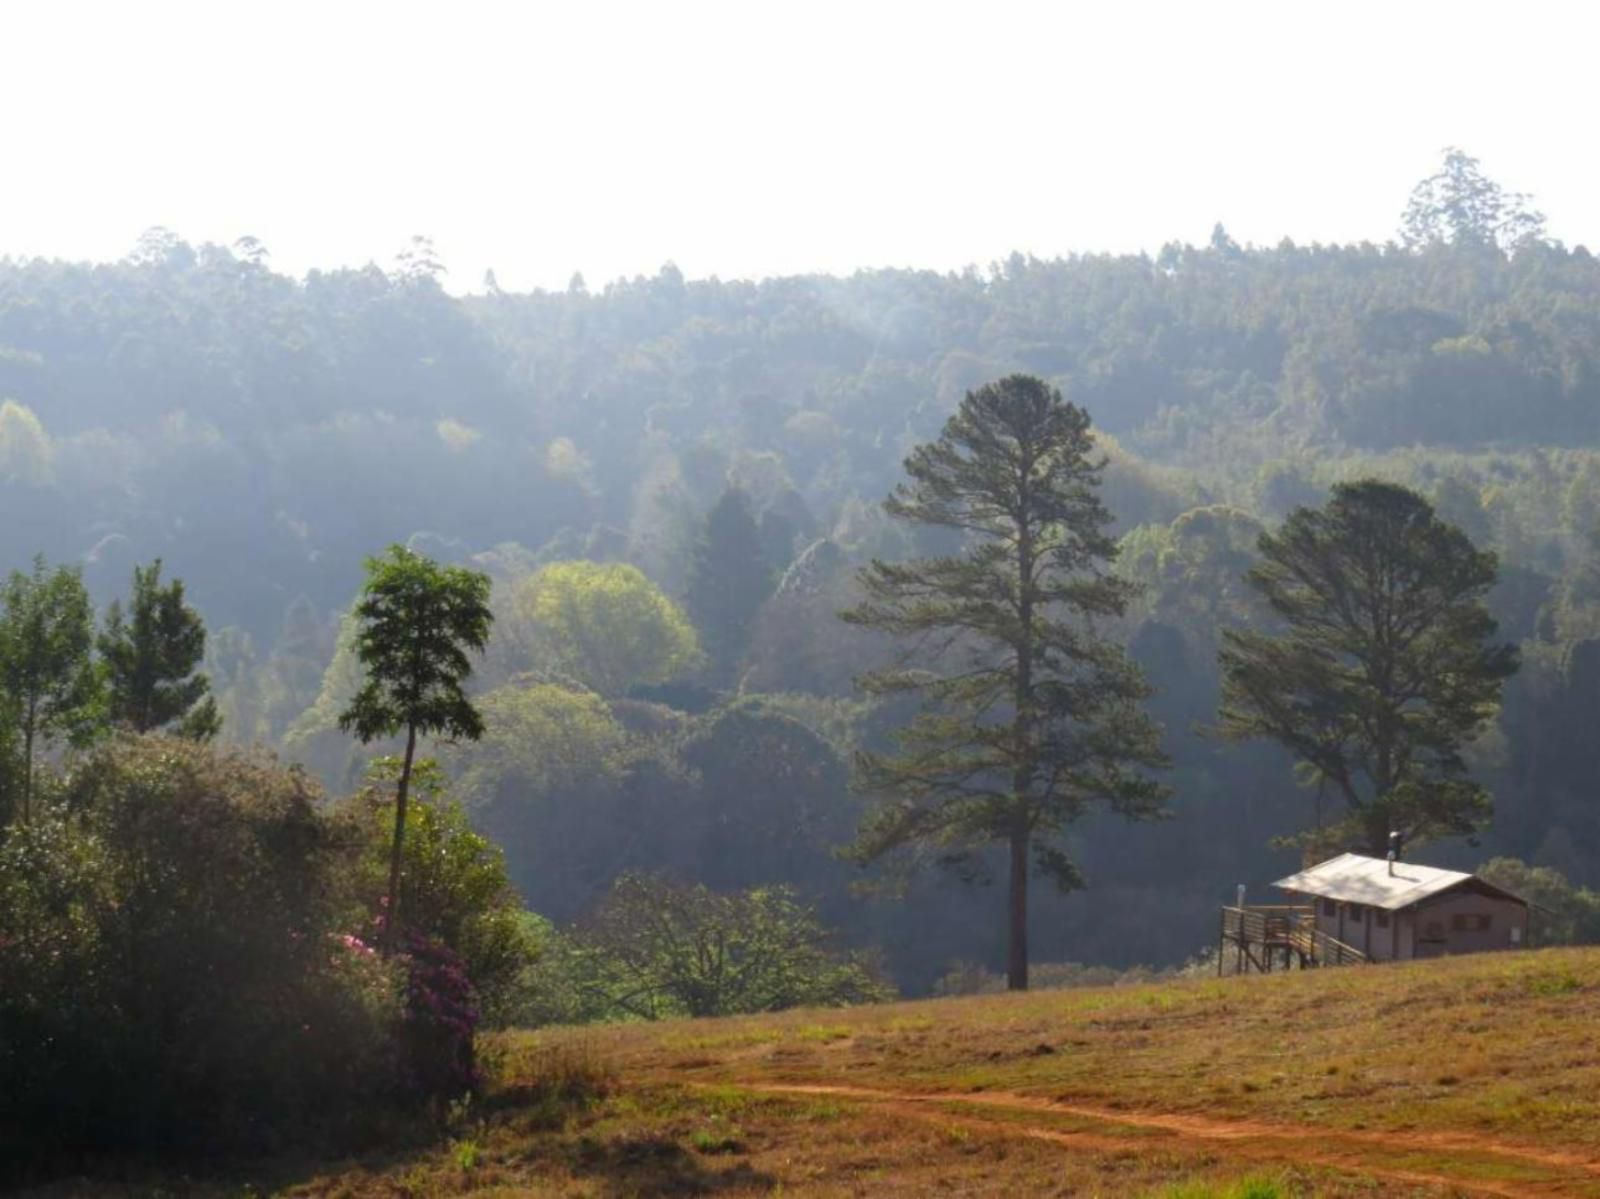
point(1465, 1076)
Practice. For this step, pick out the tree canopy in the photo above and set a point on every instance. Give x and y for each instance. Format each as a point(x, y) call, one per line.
point(603, 625)
point(1385, 667)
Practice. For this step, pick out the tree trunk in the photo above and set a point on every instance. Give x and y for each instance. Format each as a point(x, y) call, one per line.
point(391, 923)
point(1017, 943)
point(27, 770)
point(1023, 732)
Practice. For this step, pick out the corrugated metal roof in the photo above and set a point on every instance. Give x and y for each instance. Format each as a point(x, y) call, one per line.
point(1355, 878)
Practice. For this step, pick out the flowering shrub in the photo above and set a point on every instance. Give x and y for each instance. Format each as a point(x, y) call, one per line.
point(455, 890)
point(440, 1019)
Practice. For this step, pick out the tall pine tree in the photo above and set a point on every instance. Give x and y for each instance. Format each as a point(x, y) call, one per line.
point(728, 582)
point(1029, 715)
point(152, 653)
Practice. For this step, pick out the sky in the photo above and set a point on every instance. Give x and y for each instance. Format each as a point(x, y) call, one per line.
point(759, 138)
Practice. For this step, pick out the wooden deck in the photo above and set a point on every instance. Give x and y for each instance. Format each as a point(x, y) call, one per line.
point(1285, 937)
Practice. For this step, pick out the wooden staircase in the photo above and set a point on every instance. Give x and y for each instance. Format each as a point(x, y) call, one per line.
point(1286, 936)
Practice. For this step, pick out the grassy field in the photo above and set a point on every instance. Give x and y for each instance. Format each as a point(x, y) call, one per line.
point(1469, 1076)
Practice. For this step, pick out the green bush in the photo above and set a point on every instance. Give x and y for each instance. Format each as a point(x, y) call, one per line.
point(1563, 913)
point(557, 985)
point(655, 948)
point(175, 964)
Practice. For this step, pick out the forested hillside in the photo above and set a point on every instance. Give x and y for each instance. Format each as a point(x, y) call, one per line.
point(732, 441)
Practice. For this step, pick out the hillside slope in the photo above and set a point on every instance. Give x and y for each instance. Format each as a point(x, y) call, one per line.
point(1471, 1076)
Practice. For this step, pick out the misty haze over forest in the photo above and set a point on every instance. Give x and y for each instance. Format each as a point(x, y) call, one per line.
point(261, 434)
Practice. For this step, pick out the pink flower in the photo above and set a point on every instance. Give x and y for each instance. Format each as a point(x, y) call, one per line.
point(355, 944)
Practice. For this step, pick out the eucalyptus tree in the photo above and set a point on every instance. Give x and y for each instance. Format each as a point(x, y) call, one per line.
point(1461, 204)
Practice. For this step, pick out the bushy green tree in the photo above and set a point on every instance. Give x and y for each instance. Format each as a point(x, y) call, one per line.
point(1030, 715)
point(657, 948)
point(773, 801)
point(1384, 668)
point(48, 682)
point(603, 625)
point(152, 655)
point(572, 793)
point(417, 622)
point(542, 738)
point(1563, 914)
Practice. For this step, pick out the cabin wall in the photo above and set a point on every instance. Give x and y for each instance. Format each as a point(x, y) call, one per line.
point(1356, 924)
point(1327, 921)
point(1424, 930)
point(1383, 928)
point(1438, 923)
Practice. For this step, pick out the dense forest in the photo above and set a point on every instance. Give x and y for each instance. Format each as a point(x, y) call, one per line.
point(673, 482)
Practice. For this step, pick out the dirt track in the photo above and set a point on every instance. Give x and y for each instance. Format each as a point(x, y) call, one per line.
point(1547, 1172)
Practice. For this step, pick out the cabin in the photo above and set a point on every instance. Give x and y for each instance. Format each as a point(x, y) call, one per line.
point(1353, 909)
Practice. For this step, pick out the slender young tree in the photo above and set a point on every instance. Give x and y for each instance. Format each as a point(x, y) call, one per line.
point(1384, 668)
point(728, 582)
point(1029, 715)
point(152, 656)
point(417, 622)
point(49, 680)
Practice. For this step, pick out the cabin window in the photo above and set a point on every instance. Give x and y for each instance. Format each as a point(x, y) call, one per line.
point(1470, 922)
point(1381, 918)
point(1357, 912)
point(1433, 931)
point(1330, 907)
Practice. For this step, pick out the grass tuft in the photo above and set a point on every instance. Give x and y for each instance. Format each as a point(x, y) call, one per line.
point(1254, 1187)
point(1560, 983)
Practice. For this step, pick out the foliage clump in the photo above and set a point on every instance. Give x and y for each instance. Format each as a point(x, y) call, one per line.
point(176, 965)
point(604, 626)
point(189, 957)
point(1563, 914)
point(655, 948)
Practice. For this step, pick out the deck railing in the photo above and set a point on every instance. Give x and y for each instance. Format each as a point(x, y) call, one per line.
point(1289, 929)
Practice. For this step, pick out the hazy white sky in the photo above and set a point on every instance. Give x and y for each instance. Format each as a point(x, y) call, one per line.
point(751, 138)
